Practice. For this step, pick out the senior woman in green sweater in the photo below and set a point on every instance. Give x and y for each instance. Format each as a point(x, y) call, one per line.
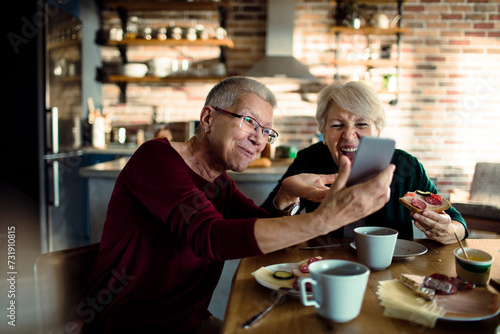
point(345, 114)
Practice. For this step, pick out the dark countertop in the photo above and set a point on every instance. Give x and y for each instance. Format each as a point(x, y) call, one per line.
point(111, 169)
point(111, 149)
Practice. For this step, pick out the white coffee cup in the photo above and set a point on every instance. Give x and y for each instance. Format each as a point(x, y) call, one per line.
point(375, 246)
point(338, 288)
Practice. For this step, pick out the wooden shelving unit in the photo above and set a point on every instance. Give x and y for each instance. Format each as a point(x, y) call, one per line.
point(124, 8)
point(369, 31)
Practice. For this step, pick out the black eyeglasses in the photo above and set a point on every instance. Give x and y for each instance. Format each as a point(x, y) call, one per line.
point(250, 125)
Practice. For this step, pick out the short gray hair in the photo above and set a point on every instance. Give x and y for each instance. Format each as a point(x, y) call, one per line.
point(228, 92)
point(356, 97)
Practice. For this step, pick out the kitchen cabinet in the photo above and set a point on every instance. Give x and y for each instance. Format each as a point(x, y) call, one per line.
point(156, 38)
point(382, 60)
point(255, 183)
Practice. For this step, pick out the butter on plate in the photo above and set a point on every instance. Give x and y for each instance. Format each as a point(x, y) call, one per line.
point(401, 303)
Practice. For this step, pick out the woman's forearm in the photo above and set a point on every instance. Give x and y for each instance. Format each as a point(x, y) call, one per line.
point(457, 228)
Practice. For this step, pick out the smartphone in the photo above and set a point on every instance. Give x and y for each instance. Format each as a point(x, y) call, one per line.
point(373, 155)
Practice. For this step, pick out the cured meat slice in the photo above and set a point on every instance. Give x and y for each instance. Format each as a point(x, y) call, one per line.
point(433, 199)
point(418, 204)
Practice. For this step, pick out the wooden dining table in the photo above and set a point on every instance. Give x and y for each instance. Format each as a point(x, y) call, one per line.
point(289, 316)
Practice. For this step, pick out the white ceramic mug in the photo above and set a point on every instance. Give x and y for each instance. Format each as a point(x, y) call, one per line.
point(338, 288)
point(375, 246)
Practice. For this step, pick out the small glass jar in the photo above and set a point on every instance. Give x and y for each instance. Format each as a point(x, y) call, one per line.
point(191, 34)
point(132, 27)
point(176, 33)
point(220, 33)
point(161, 34)
point(116, 34)
point(147, 33)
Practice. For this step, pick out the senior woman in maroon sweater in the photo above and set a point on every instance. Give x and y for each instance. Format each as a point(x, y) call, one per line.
point(175, 215)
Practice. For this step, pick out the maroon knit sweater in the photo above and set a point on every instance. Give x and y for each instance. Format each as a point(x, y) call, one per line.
point(166, 236)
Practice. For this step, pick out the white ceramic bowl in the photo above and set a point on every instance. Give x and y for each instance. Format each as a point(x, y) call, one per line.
point(135, 70)
point(160, 67)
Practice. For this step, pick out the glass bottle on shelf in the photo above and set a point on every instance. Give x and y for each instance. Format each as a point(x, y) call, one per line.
point(132, 28)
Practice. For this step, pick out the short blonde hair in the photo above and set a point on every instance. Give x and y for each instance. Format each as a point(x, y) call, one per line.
point(356, 97)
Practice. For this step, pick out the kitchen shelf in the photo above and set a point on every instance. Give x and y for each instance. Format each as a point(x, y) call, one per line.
point(372, 2)
point(71, 79)
point(52, 46)
point(164, 5)
point(124, 8)
point(171, 42)
point(116, 78)
point(369, 31)
point(368, 62)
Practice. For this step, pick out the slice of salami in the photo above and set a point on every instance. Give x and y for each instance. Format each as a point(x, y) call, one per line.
point(418, 204)
point(433, 199)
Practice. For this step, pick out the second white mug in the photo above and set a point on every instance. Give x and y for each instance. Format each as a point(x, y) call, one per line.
point(338, 288)
point(375, 246)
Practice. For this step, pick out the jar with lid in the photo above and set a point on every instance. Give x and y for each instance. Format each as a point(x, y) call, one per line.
point(176, 33)
point(116, 33)
point(220, 33)
point(161, 33)
point(201, 32)
point(191, 34)
point(147, 33)
point(132, 27)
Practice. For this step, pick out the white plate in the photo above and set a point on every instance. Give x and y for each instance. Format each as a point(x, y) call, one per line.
point(275, 267)
point(405, 249)
point(478, 296)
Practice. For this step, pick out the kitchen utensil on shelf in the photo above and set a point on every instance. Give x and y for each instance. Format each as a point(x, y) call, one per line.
point(90, 103)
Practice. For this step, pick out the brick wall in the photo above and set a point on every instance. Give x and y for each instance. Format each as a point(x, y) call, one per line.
point(450, 81)
point(447, 113)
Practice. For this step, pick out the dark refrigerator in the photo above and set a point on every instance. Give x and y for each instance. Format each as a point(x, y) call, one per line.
point(65, 224)
point(42, 198)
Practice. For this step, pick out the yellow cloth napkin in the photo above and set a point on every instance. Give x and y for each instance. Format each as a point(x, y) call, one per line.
point(401, 303)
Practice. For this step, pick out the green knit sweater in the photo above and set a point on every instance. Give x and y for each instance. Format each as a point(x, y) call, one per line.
point(409, 176)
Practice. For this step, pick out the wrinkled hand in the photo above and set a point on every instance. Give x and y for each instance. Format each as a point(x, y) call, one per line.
point(342, 205)
point(309, 186)
point(436, 226)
